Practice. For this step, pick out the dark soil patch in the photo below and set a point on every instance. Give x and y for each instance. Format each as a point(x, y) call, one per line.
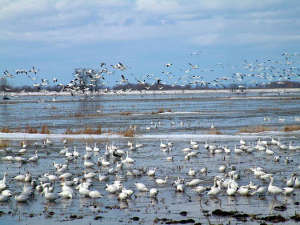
point(98, 217)
point(171, 221)
point(296, 217)
point(183, 213)
point(280, 208)
point(238, 216)
point(274, 219)
point(135, 218)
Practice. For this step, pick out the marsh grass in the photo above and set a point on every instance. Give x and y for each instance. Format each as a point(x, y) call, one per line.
point(28, 129)
point(86, 130)
point(291, 128)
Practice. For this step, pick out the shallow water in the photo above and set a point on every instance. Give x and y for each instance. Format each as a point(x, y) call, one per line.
point(181, 117)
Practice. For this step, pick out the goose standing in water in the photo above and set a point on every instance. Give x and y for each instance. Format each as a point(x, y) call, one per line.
point(141, 187)
point(3, 182)
point(153, 192)
point(215, 189)
point(274, 189)
point(160, 181)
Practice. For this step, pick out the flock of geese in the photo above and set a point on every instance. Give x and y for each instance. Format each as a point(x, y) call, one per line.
point(111, 166)
point(256, 73)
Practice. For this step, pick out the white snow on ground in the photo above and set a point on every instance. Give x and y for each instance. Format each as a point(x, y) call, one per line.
point(135, 92)
point(203, 137)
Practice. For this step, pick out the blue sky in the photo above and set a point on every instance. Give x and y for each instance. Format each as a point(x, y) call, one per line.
point(59, 36)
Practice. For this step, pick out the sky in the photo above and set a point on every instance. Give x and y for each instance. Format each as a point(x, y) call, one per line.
point(57, 36)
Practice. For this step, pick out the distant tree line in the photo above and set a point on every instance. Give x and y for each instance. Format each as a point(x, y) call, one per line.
point(5, 87)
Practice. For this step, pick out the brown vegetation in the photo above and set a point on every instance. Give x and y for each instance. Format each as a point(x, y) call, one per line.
point(125, 113)
point(161, 110)
point(5, 130)
point(4, 143)
point(86, 130)
point(256, 129)
point(291, 128)
point(128, 133)
point(45, 130)
point(30, 130)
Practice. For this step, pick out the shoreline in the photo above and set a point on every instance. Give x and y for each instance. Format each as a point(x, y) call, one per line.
point(153, 92)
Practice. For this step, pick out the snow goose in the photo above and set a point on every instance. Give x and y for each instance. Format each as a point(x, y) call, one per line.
point(274, 189)
point(49, 195)
point(141, 187)
point(153, 192)
point(215, 189)
point(95, 194)
point(3, 182)
point(151, 172)
point(160, 181)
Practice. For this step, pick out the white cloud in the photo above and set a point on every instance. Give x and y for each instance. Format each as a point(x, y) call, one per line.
point(199, 22)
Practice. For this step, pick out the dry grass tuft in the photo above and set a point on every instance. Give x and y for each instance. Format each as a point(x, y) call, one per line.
point(291, 128)
point(45, 130)
point(128, 133)
point(30, 130)
point(256, 129)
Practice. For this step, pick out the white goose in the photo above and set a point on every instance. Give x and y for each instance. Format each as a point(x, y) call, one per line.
point(151, 172)
point(88, 148)
point(49, 195)
point(199, 189)
point(3, 182)
point(96, 149)
point(231, 190)
point(290, 182)
point(153, 192)
point(141, 187)
point(274, 189)
point(293, 147)
point(163, 145)
point(243, 190)
point(160, 181)
point(88, 164)
point(194, 182)
point(34, 158)
point(128, 159)
point(192, 172)
point(95, 194)
point(22, 197)
point(215, 189)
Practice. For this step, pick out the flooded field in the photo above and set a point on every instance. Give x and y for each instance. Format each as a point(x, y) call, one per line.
point(187, 137)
